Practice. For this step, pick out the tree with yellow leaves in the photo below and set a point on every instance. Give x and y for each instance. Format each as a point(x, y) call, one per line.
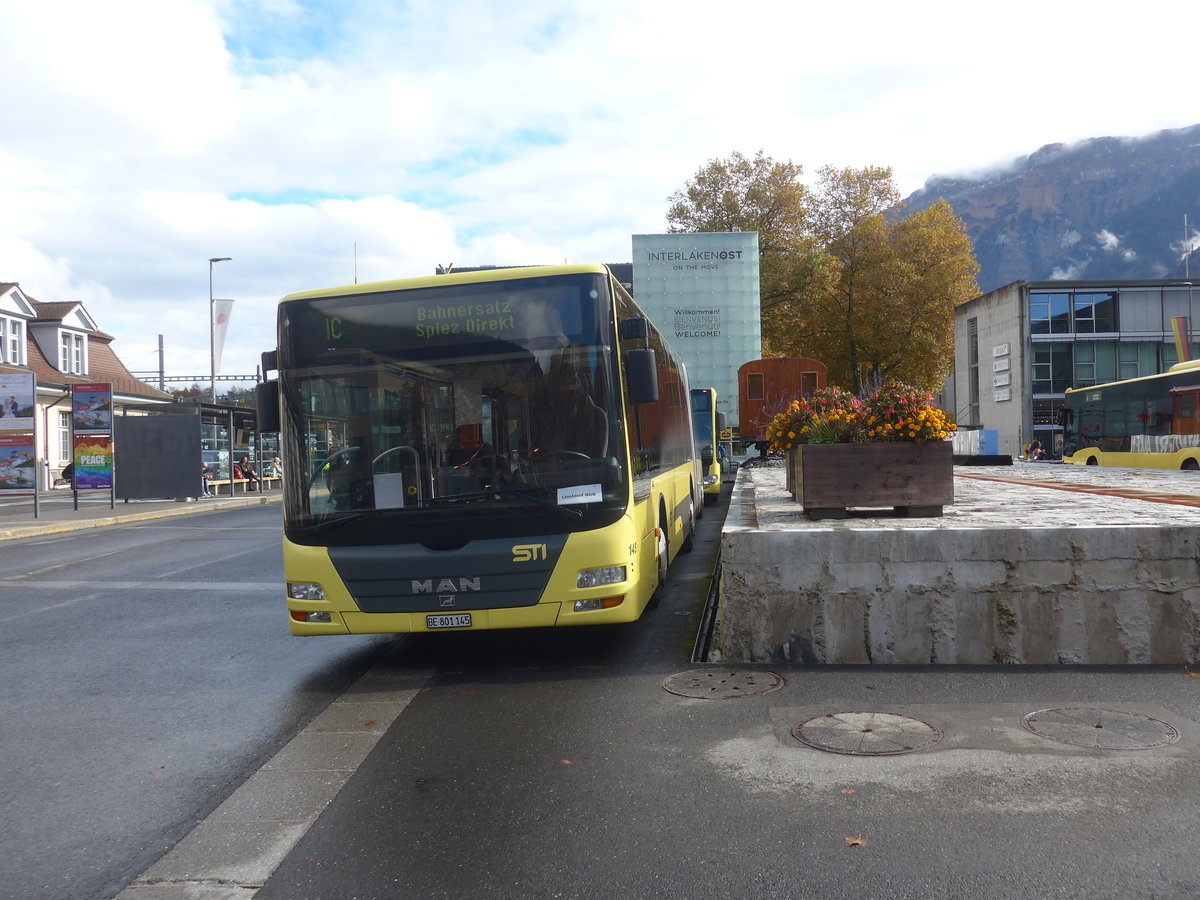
point(846, 279)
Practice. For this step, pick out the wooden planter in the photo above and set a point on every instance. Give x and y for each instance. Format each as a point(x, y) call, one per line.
point(913, 479)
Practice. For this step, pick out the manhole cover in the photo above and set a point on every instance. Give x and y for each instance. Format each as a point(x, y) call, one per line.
point(1100, 729)
point(867, 733)
point(722, 684)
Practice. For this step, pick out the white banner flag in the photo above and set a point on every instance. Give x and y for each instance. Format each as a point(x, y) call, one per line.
point(222, 309)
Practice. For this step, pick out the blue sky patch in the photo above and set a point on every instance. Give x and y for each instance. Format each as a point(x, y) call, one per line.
point(292, 197)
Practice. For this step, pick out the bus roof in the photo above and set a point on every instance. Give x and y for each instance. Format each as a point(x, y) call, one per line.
point(1188, 365)
point(472, 277)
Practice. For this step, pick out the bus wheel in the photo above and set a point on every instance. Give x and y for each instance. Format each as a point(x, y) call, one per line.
point(689, 534)
point(1092, 461)
point(1190, 464)
point(661, 551)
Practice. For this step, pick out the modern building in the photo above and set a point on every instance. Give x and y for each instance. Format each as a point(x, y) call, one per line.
point(1018, 349)
point(702, 293)
point(62, 345)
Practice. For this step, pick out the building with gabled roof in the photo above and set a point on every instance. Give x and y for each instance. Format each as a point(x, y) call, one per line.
point(62, 345)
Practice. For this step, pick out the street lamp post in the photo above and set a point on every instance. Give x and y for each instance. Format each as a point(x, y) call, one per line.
point(212, 329)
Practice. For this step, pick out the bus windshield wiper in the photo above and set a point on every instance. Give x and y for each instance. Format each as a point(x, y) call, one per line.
point(525, 493)
point(336, 521)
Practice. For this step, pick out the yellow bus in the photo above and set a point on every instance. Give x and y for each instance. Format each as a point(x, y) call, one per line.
point(707, 425)
point(506, 448)
point(1151, 422)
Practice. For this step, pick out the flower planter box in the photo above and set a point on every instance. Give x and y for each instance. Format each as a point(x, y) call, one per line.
point(912, 479)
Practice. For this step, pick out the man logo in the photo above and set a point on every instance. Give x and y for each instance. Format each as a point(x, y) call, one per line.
point(528, 552)
point(445, 586)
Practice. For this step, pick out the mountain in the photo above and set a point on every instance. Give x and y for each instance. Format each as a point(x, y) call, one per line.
point(1105, 208)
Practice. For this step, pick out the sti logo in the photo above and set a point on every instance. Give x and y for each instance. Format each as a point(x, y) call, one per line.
point(528, 552)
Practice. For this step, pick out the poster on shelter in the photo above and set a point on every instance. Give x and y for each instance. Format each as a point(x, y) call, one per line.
point(16, 401)
point(93, 461)
point(91, 408)
point(18, 469)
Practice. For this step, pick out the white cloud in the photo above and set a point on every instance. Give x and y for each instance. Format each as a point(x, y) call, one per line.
point(142, 138)
point(1072, 272)
point(1107, 240)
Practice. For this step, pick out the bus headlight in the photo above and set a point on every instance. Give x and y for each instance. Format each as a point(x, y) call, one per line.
point(320, 618)
point(709, 480)
point(590, 578)
point(598, 603)
point(305, 590)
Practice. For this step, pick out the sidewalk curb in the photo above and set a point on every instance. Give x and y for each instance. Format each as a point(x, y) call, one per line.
point(37, 529)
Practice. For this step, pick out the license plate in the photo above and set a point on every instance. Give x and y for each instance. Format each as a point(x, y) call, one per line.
point(460, 620)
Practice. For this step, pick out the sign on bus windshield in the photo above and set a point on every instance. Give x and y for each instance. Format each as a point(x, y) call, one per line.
point(533, 314)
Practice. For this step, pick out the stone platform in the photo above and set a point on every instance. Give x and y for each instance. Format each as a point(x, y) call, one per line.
point(1036, 563)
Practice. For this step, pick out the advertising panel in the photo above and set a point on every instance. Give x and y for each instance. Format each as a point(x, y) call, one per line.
point(93, 461)
point(702, 292)
point(16, 401)
point(91, 408)
point(18, 464)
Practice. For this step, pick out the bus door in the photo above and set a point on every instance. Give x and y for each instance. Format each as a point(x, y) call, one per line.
point(409, 439)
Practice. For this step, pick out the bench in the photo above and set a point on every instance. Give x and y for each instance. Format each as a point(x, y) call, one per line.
point(266, 482)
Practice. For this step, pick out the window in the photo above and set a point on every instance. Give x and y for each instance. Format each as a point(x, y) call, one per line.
point(973, 415)
point(1095, 313)
point(1052, 368)
point(755, 388)
point(1085, 364)
point(1050, 313)
point(12, 341)
point(64, 437)
point(1137, 358)
point(72, 357)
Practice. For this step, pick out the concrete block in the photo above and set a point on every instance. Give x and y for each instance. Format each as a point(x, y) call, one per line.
point(978, 587)
point(1040, 624)
point(1043, 574)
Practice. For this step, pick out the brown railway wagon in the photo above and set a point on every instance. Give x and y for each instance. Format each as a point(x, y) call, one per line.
point(765, 386)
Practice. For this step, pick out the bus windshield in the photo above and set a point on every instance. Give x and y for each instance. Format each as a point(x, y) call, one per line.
point(497, 400)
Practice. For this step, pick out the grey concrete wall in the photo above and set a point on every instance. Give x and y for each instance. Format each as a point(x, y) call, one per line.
point(961, 589)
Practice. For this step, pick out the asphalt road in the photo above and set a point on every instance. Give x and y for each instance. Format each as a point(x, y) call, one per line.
point(146, 669)
point(557, 764)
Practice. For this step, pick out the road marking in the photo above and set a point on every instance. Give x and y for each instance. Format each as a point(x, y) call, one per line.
point(235, 850)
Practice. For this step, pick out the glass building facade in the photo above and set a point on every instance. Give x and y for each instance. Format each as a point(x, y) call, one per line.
point(702, 292)
point(1042, 338)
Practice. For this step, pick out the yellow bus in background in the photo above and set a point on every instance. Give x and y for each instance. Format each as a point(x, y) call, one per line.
point(1152, 422)
point(707, 425)
point(498, 449)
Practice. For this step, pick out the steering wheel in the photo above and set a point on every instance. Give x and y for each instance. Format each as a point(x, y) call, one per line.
point(556, 454)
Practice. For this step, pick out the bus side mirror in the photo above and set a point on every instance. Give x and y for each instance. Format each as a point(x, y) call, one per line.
point(642, 373)
point(721, 426)
point(266, 399)
point(634, 329)
point(1063, 417)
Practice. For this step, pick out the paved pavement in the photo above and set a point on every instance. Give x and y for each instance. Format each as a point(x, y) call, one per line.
point(56, 511)
point(1033, 495)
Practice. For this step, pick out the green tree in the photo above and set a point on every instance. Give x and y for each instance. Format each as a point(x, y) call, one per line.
point(846, 279)
point(761, 195)
point(884, 309)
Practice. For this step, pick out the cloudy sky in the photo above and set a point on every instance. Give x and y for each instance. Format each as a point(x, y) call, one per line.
point(318, 143)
